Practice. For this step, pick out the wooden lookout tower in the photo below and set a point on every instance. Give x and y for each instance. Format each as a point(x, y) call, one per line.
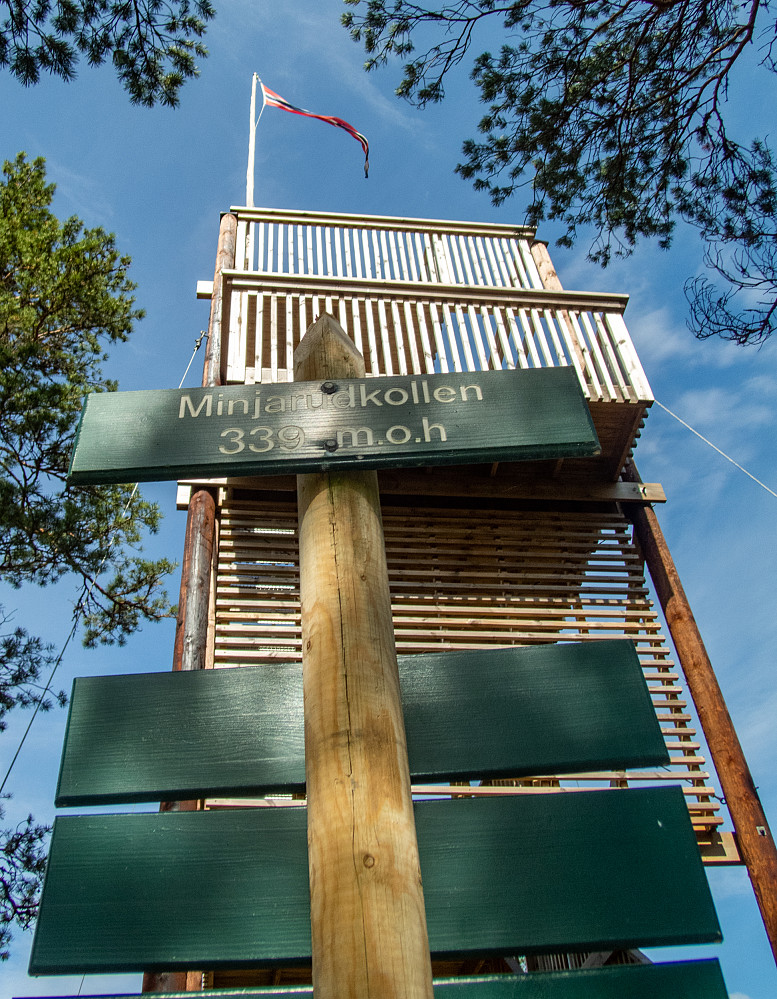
point(517, 597)
point(479, 557)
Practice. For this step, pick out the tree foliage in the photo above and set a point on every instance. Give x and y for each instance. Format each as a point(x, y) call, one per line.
point(23, 661)
point(153, 45)
point(64, 297)
point(22, 863)
point(612, 113)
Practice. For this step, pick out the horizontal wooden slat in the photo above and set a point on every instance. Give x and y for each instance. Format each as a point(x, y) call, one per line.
point(467, 579)
point(501, 876)
point(689, 979)
point(468, 715)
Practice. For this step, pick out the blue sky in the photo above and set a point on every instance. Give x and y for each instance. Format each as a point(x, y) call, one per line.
point(159, 178)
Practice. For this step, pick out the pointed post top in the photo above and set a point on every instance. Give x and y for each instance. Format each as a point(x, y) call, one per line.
point(326, 351)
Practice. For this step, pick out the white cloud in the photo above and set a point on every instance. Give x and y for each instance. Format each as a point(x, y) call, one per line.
point(78, 194)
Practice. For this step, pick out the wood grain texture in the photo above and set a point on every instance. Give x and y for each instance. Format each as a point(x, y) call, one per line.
point(368, 924)
point(503, 876)
point(468, 715)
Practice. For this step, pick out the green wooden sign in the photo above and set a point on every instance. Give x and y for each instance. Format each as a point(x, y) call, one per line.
point(265, 429)
point(477, 714)
point(686, 979)
point(540, 873)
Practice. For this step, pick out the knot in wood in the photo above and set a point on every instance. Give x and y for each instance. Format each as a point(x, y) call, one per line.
point(368, 860)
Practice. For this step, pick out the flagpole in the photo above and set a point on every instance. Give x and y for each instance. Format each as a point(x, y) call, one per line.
point(252, 142)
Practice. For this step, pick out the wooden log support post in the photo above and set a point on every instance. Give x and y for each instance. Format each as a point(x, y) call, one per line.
point(192, 625)
point(754, 838)
point(191, 629)
point(367, 910)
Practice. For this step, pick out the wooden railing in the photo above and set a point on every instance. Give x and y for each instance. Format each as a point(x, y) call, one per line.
point(417, 297)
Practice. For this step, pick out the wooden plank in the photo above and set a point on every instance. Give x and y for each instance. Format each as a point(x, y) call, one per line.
point(468, 715)
point(501, 876)
point(508, 712)
point(535, 874)
point(364, 423)
point(689, 979)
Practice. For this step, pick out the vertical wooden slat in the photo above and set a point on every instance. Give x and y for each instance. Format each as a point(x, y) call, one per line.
point(488, 278)
point(431, 263)
point(259, 342)
point(439, 339)
point(274, 337)
point(347, 234)
point(620, 391)
point(428, 353)
point(528, 338)
point(535, 281)
point(392, 241)
point(502, 269)
point(404, 270)
point(541, 337)
point(388, 366)
point(417, 259)
point(597, 354)
point(412, 338)
point(384, 256)
point(464, 335)
point(472, 252)
point(328, 245)
point(357, 326)
point(370, 315)
point(591, 382)
point(554, 337)
point(517, 338)
point(514, 255)
point(478, 337)
point(309, 260)
point(260, 264)
point(338, 252)
point(504, 342)
point(270, 246)
point(288, 359)
point(451, 338)
point(376, 257)
point(486, 319)
point(399, 337)
point(368, 269)
point(631, 362)
point(320, 269)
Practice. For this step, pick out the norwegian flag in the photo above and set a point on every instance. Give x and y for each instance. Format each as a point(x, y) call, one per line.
point(273, 100)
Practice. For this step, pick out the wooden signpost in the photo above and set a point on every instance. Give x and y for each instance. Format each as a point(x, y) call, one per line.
point(502, 875)
point(367, 915)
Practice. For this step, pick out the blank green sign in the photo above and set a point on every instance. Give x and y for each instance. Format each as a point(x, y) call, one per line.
point(553, 872)
point(296, 427)
point(480, 714)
